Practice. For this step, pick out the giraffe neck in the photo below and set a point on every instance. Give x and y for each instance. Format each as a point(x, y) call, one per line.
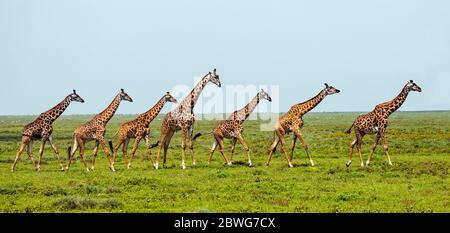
point(307, 106)
point(56, 111)
point(108, 113)
point(154, 111)
point(244, 113)
point(395, 104)
point(189, 102)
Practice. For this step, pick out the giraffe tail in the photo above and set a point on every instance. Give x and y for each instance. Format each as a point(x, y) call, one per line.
point(154, 145)
point(350, 130)
point(199, 135)
point(111, 146)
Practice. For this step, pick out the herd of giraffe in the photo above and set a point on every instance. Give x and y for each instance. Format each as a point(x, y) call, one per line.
point(182, 119)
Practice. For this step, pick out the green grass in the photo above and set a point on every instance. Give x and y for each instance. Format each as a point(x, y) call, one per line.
point(418, 181)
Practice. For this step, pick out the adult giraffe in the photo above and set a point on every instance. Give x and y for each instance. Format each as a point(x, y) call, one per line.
point(292, 122)
point(138, 129)
point(95, 130)
point(42, 129)
point(183, 118)
point(232, 128)
point(376, 122)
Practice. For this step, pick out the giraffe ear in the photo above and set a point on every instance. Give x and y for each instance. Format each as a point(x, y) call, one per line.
point(411, 81)
point(326, 85)
point(122, 90)
point(167, 93)
point(74, 91)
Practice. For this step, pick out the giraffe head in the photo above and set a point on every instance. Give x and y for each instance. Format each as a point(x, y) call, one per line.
point(330, 90)
point(411, 86)
point(263, 95)
point(214, 78)
point(75, 97)
point(169, 98)
point(125, 96)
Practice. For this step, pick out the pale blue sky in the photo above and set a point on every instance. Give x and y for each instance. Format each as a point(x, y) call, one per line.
point(368, 49)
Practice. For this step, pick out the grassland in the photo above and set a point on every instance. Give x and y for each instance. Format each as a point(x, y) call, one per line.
point(418, 181)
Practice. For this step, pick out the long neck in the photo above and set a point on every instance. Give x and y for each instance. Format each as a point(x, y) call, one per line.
point(56, 111)
point(395, 104)
point(244, 113)
point(154, 111)
point(189, 101)
point(311, 104)
point(108, 113)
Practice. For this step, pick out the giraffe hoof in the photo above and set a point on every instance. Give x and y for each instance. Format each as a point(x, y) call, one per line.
point(250, 164)
point(155, 166)
point(112, 169)
point(312, 163)
point(229, 163)
point(92, 168)
point(362, 165)
point(67, 168)
point(129, 166)
point(290, 165)
point(348, 163)
point(390, 163)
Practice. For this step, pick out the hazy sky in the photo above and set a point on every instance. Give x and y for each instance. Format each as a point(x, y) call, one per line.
point(368, 49)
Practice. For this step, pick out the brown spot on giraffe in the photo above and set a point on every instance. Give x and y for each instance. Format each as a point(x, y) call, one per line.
point(232, 128)
point(95, 130)
point(292, 122)
point(138, 129)
point(41, 129)
point(376, 122)
point(183, 118)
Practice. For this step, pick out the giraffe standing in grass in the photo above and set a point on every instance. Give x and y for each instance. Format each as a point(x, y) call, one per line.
point(183, 118)
point(376, 122)
point(292, 122)
point(95, 130)
point(42, 129)
point(232, 128)
point(138, 129)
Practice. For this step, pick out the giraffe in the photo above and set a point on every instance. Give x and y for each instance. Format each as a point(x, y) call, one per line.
point(292, 122)
point(376, 122)
point(95, 130)
point(183, 118)
point(42, 129)
point(232, 128)
point(138, 129)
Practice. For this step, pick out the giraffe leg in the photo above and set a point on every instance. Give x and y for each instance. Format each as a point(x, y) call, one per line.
point(41, 152)
point(81, 144)
point(116, 150)
point(135, 147)
point(25, 141)
point(352, 145)
point(299, 135)
point(95, 155)
point(211, 152)
point(222, 148)
point(294, 141)
point(72, 152)
point(374, 146)
point(106, 151)
point(386, 149)
point(183, 147)
point(272, 149)
point(233, 147)
point(149, 151)
point(282, 142)
point(359, 137)
point(30, 154)
point(55, 149)
point(191, 143)
point(166, 146)
point(241, 140)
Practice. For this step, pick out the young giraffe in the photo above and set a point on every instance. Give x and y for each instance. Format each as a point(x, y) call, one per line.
point(95, 130)
point(42, 129)
point(292, 122)
point(376, 122)
point(138, 129)
point(232, 128)
point(183, 118)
